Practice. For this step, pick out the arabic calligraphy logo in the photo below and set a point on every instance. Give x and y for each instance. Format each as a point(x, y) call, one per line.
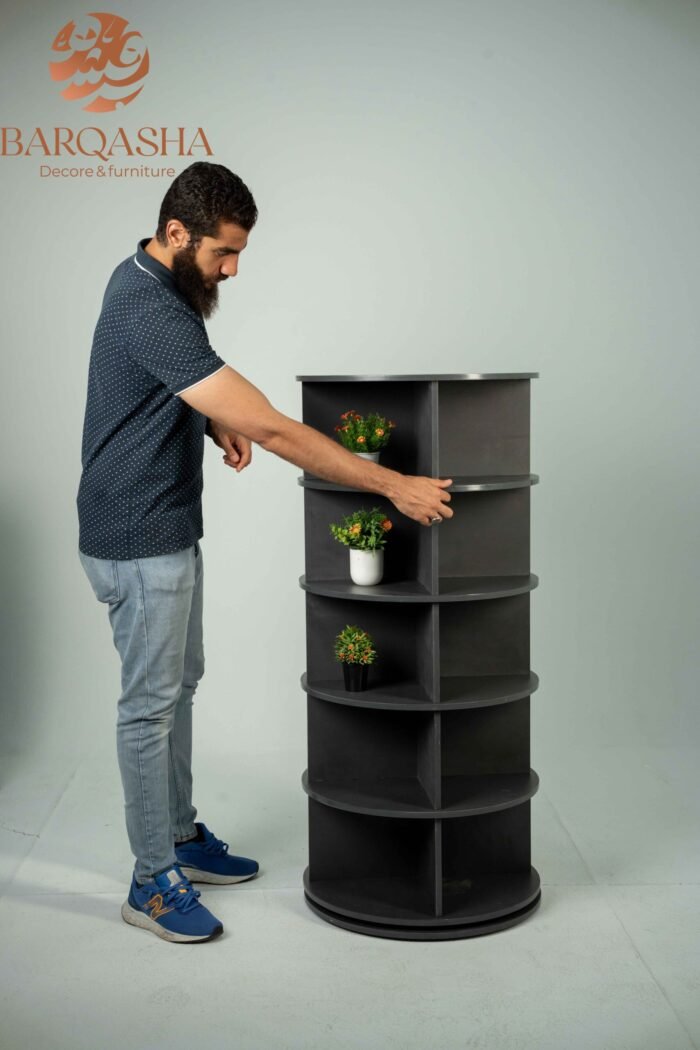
point(103, 61)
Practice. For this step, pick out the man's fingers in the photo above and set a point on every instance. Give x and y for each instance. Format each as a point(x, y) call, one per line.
point(230, 449)
point(239, 460)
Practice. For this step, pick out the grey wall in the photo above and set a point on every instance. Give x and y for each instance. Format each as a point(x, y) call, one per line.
point(451, 187)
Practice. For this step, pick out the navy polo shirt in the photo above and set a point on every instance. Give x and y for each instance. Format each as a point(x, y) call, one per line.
point(143, 447)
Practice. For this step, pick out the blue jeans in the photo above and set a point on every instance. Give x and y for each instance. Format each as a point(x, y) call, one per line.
point(155, 610)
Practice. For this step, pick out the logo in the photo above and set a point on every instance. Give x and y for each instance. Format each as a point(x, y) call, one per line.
point(156, 906)
point(102, 60)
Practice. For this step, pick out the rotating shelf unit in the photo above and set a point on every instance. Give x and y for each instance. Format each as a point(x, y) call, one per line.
point(419, 787)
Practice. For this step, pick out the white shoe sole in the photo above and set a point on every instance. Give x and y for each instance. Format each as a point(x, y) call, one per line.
point(139, 918)
point(196, 875)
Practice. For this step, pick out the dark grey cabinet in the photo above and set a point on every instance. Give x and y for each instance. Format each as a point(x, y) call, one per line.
point(419, 787)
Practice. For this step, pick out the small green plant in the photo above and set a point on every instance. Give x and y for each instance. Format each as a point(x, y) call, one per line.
point(354, 646)
point(363, 433)
point(363, 530)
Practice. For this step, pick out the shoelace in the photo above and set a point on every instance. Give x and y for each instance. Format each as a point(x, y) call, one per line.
point(182, 896)
point(215, 845)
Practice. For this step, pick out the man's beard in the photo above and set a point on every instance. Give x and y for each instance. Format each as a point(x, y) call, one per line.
point(204, 297)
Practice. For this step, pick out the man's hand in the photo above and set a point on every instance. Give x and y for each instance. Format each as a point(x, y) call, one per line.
point(422, 498)
point(238, 449)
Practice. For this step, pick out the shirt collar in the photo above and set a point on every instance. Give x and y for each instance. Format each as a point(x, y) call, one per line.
point(156, 269)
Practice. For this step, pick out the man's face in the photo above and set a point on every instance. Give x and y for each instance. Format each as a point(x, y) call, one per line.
point(199, 271)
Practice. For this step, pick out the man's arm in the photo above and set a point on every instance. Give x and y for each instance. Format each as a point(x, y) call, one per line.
point(229, 398)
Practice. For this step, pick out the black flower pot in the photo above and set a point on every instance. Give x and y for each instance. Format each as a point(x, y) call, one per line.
point(355, 676)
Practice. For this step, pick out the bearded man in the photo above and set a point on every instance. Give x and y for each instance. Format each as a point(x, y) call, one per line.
point(155, 387)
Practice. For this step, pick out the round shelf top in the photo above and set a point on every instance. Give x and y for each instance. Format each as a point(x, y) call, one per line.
point(450, 588)
point(419, 378)
point(460, 483)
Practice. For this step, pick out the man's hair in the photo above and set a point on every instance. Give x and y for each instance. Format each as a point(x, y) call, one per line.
point(202, 196)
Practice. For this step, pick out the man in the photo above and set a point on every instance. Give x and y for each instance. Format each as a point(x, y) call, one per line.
point(155, 386)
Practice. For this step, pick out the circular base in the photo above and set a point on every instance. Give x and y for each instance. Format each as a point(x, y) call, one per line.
point(424, 933)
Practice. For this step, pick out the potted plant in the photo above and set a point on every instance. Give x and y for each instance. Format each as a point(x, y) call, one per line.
point(364, 532)
point(366, 435)
point(354, 649)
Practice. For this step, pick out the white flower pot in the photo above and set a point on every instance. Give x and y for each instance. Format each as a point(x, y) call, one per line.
point(366, 567)
point(374, 456)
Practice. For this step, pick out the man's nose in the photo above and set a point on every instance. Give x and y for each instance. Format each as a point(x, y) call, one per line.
point(230, 267)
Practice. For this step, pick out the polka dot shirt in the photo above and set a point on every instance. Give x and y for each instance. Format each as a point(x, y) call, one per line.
point(143, 447)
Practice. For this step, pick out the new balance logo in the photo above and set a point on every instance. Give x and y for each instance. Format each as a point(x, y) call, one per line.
point(156, 906)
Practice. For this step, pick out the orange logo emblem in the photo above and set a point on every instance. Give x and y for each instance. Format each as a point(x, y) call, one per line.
point(156, 906)
point(102, 60)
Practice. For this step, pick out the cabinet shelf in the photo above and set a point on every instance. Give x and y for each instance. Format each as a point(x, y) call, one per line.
point(488, 895)
point(465, 483)
point(393, 899)
point(456, 692)
point(429, 377)
point(486, 793)
point(466, 691)
point(479, 899)
point(387, 797)
point(401, 590)
point(419, 787)
point(452, 588)
point(402, 695)
point(473, 588)
point(433, 929)
point(487, 482)
point(406, 796)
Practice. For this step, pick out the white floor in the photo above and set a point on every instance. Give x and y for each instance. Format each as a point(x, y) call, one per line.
point(609, 961)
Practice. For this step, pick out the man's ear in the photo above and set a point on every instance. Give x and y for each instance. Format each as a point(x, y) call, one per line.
point(177, 235)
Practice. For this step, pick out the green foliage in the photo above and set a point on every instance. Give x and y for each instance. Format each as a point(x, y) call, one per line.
point(354, 646)
point(363, 433)
point(363, 530)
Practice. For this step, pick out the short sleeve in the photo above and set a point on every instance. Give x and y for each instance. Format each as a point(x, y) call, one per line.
point(173, 346)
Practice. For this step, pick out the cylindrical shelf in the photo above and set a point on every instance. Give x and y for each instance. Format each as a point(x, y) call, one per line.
point(419, 786)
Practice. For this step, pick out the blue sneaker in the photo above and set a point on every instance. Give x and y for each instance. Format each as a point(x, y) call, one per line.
point(205, 859)
point(168, 906)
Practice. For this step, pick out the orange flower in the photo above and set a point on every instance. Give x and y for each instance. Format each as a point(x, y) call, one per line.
point(355, 528)
point(386, 524)
point(360, 439)
point(379, 431)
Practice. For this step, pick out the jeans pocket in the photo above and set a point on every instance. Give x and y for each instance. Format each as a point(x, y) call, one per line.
point(103, 577)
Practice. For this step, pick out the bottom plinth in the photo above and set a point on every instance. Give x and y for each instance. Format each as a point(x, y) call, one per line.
point(437, 930)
